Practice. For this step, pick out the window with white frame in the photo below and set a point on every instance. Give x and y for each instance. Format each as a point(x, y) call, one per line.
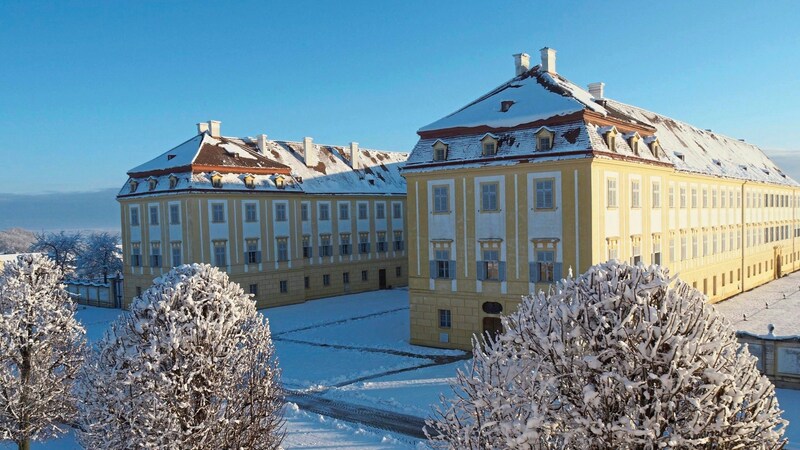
point(135, 216)
point(489, 196)
point(220, 253)
point(611, 192)
point(344, 244)
point(398, 240)
point(545, 196)
point(694, 198)
point(441, 263)
point(682, 197)
point(489, 266)
point(656, 194)
point(656, 256)
point(280, 212)
point(705, 198)
point(636, 250)
point(363, 242)
point(136, 254)
point(252, 253)
point(177, 256)
point(344, 211)
point(445, 318)
point(635, 194)
point(324, 211)
point(283, 248)
point(546, 265)
point(363, 211)
point(397, 210)
point(217, 212)
point(325, 246)
point(441, 199)
point(671, 196)
point(307, 250)
point(382, 245)
point(304, 212)
point(174, 214)
point(380, 210)
point(250, 213)
point(154, 215)
point(684, 248)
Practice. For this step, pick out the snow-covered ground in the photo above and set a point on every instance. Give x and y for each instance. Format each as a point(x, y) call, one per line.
point(355, 349)
point(776, 303)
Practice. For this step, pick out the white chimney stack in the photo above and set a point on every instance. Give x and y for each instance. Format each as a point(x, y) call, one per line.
point(202, 127)
point(213, 127)
point(522, 63)
point(548, 60)
point(309, 155)
point(596, 89)
point(354, 156)
point(261, 141)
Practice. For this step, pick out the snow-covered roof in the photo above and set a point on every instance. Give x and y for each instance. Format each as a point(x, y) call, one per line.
point(378, 171)
point(580, 121)
point(13, 256)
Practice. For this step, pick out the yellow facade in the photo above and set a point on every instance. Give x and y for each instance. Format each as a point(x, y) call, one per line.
point(723, 236)
point(250, 237)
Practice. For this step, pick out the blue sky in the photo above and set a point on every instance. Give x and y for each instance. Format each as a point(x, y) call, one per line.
point(90, 89)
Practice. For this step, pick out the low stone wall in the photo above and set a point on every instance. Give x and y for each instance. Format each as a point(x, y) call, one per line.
point(778, 357)
point(95, 293)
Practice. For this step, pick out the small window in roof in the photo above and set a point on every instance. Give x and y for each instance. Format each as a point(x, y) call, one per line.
point(170, 157)
point(249, 181)
point(611, 138)
point(173, 181)
point(280, 182)
point(489, 145)
point(216, 180)
point(544, 139)
point(134, 185)
point(680, 156)
point(439, 151)
point(152, 183)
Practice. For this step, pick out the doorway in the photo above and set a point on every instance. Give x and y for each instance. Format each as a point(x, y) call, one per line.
point(382, 279)
point(492, 326)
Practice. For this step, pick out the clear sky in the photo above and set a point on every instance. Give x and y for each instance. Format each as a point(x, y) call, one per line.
point(89, 90)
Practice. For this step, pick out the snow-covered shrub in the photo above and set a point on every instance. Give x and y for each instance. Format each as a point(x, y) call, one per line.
point(622, 357)
point(41, 351)
point(191, 367)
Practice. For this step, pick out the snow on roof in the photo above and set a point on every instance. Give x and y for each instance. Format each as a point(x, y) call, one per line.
point(702, 149)
point(378, 173)
point(13, 256)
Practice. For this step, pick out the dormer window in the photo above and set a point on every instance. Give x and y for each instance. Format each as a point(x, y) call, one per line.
point(152, 183)
point(280, 182)
point(134, 185)
point(488, 145)
point(216, 179)
point(633, 142)
point(680, 156)
point(249, 181)
point(173, 181)
point(505, 105)
point(610, 136)
point(654, 145)
point(439, 150)
point(544, 139)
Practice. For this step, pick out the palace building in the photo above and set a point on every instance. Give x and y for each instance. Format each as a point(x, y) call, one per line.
point(288, 221)
point(540, 176)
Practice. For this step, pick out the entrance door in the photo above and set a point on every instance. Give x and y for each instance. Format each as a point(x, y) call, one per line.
point(492, 326)
point(382, 278)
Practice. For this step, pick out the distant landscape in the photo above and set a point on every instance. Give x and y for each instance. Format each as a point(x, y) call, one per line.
point(72, 211)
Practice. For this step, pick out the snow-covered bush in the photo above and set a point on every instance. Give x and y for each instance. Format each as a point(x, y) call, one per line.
point(41, 350)
point(622, 357)
point(191, 367)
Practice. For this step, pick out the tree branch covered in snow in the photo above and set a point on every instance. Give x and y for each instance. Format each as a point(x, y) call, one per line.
point(99, 257)
point(16, 240)
point(622, 357)
point(62, 247)
point(41, 350)
point(192, 366)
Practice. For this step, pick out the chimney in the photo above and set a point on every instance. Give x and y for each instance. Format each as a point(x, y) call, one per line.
point(354, 155)
point(202, 127)
point(596, 89)
point(522, 63)
point(309, 155)
point(548, 60)
point(213, 127)
point(261, 142)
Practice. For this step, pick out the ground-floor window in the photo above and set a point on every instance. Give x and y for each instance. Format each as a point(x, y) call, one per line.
point(444, 318)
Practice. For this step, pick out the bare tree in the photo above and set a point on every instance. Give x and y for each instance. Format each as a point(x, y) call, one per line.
point(16, 240)
point(100, 256)
point(619, 358)
point(192, 366)
point(41, 350)
point(62, 247)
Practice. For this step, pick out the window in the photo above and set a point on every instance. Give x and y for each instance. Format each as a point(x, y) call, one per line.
point(705, 244)
point(136, 254)
point(489, 148)
point(324, 211)
point(284, 284)
point(544, 194)
point(489, 196)
point(154, 215)
point(283, 248)
point(672, 248)
point(397, 210)
point(363, 242)
point(365, 275)
point(174, 215)
point(383, 246)
point(216, 180)
point(363, 211)
point(217, 213)
point(613, 252)
point(684, 252)
point(636, 251)
point(441, 199)
point(656, 258)
point(722, 197)
point(545, 265)
point(445, 318)
point(253, 254)
point(173, 181)
point(611, 192)
point(307, 252)
point(325, 247)
point(695, 254)
point(344, 211)
point(656, 194)
point(155, 254)
point(489, 268)
point(280, 212)
point(380, 210)
point(694, 197)
point(398, 241)
point(306, 282)
point(441, 264)
point(326, 280)
point(254, 289)
point(439, 151)
point(176, 254)
point(713, 197)
point(682, 197)
point(249, 182)
point(220, 253)
point(671, 196)
point(398, 271)
point(635, 190)
point(346, 278)
point(138, 291)
point(344, 244)
point(304, 212)
point(135, 216)
point(250, 213)
point(705, 198)
point(544, 143)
